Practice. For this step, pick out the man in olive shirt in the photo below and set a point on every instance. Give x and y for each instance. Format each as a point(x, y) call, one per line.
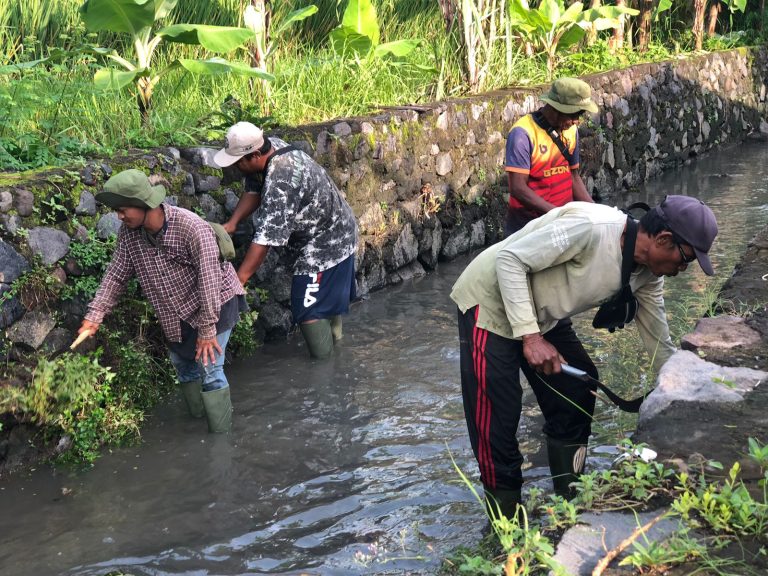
point(510, 299)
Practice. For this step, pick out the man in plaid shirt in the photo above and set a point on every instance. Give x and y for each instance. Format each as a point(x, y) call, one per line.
point(196, 295)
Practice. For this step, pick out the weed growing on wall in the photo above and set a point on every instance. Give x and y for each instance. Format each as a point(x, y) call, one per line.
point(72, 396)
point(243, 341)
point(36, 287)
point(92, 257)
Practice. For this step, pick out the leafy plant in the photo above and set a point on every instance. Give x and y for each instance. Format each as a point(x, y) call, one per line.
point(758, 453)
point(136, 350)
point(257, 17)
point(92, 256)
point(73, 396)
point(36, 287)
point(726, 509)
point(136, 17)
point(558, 513)
point(554, 28)
point(243, 341)
point(358, 34)
point(659, 556)
point(231, 111)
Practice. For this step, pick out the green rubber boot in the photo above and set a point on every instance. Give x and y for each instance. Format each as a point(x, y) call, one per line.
point(507, 502)
point(319, 338)
point(566, 463)
point(218, 409)
point(336, 328)
point(193, 397)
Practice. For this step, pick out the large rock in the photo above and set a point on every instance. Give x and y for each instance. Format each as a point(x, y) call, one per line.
point(403, 251)
point(32, 329)
point(685, 377)
point(49, 243)
point(87, 204)
point(585, 544)
point(200, 156)
point(108, 225)
point(12, 264)
point(720, 332)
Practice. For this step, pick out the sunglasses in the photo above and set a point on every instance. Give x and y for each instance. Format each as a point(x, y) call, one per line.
point(574, 115)
point(684, 257)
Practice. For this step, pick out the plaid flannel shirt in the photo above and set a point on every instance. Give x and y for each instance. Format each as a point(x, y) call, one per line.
point(182, 277)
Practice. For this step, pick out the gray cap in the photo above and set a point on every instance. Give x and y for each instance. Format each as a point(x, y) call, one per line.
point(694, 222)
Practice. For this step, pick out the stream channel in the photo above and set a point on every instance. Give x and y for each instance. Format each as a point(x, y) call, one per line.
point(335, 468)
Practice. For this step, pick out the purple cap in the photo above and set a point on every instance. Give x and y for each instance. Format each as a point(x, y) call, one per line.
point(694, 222)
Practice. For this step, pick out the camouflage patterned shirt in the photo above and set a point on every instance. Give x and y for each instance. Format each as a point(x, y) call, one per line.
point(303, 210)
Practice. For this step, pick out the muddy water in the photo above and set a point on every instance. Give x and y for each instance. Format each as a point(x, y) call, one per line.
point(337, 468)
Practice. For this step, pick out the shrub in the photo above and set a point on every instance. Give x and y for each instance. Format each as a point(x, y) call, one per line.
point(72, 395)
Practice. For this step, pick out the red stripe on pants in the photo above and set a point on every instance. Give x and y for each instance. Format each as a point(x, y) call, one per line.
point(483, 409)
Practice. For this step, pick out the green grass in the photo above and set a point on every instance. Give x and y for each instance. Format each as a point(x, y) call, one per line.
point(721, 511)
point(53, 114)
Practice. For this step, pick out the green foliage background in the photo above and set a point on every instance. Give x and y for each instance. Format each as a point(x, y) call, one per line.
point(53, 115)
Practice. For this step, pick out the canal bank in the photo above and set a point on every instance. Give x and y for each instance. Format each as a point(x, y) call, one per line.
point(340, 469)
point(426, 185)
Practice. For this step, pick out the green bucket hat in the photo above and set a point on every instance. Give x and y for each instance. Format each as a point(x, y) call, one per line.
point(570, 95)
point(131, 188)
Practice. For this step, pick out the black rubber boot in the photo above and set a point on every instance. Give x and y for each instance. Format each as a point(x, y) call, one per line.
point(319, 338)
point(566, 463)
point(507, 502)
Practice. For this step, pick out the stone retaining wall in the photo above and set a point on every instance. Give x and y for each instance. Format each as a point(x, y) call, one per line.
point(426, 182)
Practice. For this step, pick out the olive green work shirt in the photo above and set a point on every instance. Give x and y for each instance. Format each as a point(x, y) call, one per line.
point(563, 263)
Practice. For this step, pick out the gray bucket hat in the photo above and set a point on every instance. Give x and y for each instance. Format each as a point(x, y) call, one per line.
point(131, 188)
point(569, 96)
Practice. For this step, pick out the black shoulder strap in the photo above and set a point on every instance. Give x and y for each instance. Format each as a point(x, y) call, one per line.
point(538, 117)
point(628, 252)
point(636, 205)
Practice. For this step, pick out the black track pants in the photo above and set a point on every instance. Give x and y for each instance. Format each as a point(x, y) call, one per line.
point(490, 385)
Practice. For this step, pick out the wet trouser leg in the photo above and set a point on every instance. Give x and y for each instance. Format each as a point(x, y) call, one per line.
point(337, 328)
point(567, 405)
point(490, 368)
point(516, 219)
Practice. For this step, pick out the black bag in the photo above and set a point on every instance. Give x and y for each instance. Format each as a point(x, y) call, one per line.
point(621, 309)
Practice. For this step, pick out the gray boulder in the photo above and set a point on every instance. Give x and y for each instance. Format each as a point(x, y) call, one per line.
point(50, 244)
point(108, 225)
point(686, 377)
point(12, 264)
point(32, 329)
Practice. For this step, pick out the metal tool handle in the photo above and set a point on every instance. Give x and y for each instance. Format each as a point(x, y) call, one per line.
point(575, 372)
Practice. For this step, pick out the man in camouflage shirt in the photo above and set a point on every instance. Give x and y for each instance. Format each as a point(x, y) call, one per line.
point(298, 207)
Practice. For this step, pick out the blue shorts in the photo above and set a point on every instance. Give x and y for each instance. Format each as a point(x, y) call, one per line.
point(325, 294)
